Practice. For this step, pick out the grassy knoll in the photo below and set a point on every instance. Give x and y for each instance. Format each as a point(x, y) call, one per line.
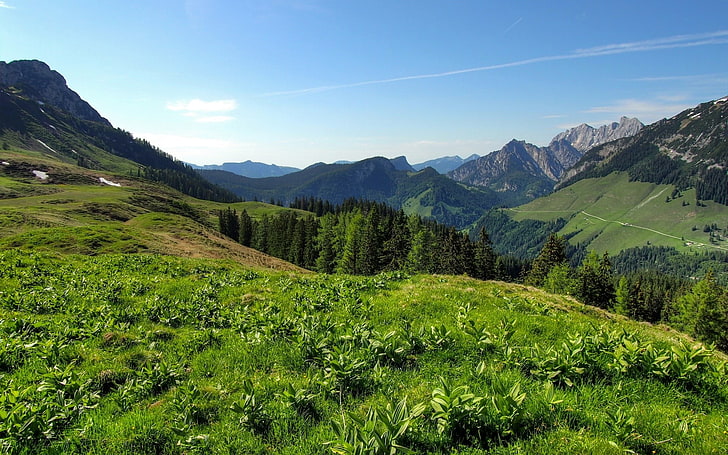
point(73, 211)
point(156, 354)
point(613, 214)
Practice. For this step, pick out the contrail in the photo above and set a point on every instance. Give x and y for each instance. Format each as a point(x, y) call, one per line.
point(510, 27)
point(672, 42)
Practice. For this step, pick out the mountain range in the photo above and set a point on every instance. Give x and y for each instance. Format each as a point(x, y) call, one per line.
point(254, 169)
point(682, 157)
point(521, 171)
point(426, 192)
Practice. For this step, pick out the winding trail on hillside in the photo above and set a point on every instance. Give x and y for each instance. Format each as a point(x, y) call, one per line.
point(622, 223)
point(695, 243)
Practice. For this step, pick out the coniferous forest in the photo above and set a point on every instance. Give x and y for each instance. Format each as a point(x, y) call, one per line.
point(366, 238)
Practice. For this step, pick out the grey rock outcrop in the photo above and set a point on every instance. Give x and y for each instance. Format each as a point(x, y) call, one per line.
point(585, 137)
point(520, 167)
point(40, 83)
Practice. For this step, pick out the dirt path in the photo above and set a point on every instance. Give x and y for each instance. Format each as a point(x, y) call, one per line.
point(696, 243)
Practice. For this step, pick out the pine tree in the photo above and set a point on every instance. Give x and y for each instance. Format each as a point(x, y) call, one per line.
point(246, 228)
point(485, 257)
point(595, 281)
point(703, 312)
point(553, 253)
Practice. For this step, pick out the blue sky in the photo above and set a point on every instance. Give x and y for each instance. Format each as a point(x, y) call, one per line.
point(294, 82)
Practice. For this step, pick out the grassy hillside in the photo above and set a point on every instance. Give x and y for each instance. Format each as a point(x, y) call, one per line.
point(147, 354)
point(612, 214)
point(128, 325)
point(73, 211)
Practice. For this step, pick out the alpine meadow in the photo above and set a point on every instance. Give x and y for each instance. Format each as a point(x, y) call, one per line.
point(570, 298)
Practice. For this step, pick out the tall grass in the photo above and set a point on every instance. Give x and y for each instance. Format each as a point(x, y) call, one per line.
point(153, 354)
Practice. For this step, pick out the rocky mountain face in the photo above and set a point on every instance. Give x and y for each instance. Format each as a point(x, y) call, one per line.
point(37, 81)
point(584, 137)
point(528, 171)
point(687, 150)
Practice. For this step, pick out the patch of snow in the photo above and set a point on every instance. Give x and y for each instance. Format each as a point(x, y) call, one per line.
point(41, 103)
point(5, 163)
point(52, 126)
point(46, 146)
point(108, 182)
point(40, 174)
point(722, 100)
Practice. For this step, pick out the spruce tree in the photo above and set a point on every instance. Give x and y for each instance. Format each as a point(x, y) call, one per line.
point(703, 312)
point(552, 253)
point(595, 281)
point(326, 244)
point(485, 257)
point(246, 228)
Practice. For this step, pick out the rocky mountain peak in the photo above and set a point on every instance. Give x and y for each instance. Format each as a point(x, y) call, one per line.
point(585, 137)
point(39, 82)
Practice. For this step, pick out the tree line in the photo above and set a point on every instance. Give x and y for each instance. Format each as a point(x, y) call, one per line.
point(699, 308)
point(365, 238)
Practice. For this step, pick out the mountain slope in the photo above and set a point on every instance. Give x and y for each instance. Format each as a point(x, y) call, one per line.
point(664, 187)
point(521, 171)
point(30, 120)
point(47, 204)
point(426, 193)
point(130, 354)
point(37, 81)
point(687, 150)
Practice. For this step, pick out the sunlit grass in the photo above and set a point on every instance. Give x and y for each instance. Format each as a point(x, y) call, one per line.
point(157, 354)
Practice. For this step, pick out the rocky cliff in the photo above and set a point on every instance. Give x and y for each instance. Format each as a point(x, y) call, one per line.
point(38, 82)
point(530, 171)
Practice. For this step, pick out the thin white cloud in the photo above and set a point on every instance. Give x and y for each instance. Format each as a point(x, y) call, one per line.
point(205, 111)
point(197, 105)
point(510, 27)
point(214, 119)
point(672, 42)
point(645, 110)
point(5, 5)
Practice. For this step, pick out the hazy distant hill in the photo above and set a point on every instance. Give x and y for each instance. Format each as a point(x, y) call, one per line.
point(445, 164)
point(426, 193)
point(521, 171)
point(252, 169)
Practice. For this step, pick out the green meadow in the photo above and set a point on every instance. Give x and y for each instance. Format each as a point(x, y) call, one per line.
point(152, 354)
point(612, 214)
